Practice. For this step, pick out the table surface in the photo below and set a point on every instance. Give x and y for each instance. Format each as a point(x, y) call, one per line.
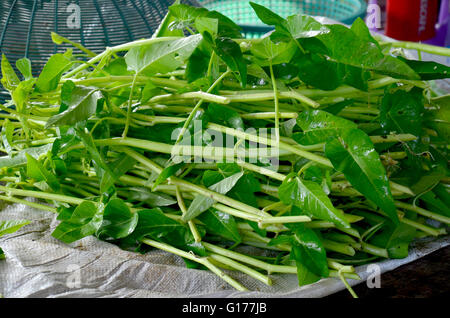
point(425, 278)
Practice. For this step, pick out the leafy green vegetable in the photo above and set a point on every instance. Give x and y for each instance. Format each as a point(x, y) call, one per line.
point(81, 105)
point(161, 57)
point(37, 172)
point(311, 199)
point(118, 220)
point(24, 66)
point(295, 27)
point(202, 203)
point(267, 52)
point(318, 126)
point(221, 224)
point(9, 77)
point(85, 221)
point(9, 227)
point(353, 154)
point(428, 70)
point(395, 239)
point(51, 74)
point(314, 143)
point(402, 112)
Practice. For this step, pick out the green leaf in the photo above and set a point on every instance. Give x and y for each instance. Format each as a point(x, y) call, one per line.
point(312, 66)
point(442, 193)
point(435, 204)
point(428, 70)
point(402, 112)
point(2, 254)
point(294, 27)
point(97, 156)
point(24, 66)
point(267, 52)
point(85, 221)
point(154, 199)
point(346, 47)
point(302, 26)
point(162, 57)
point(21, 94)
point(7, 136)
point(165, 28)
point(37, 172)
point(395, 239)
point(167, 173)
point(245, 189)
point(439, 118)
point(202, 203)
point(20, 158)
point(153, 223)
point(310, 198)
point(360, 28)
point(51, 74)
point(118, 220)
point(203, 24)
point(197, 65)
point(118, 168)
point(219, 223)
point(11, 226)
point(81, 105)
point(223, 115)
point(354, 155)
point(335, 109)
point(304, 275)
point(187, 16)
point(265, 15)
point(230, 53)
point(318, 126)
point(9, 77)
point(309, 251)
point(117, 67)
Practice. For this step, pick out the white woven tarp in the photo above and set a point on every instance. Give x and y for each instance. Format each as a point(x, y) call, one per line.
point(38, 265)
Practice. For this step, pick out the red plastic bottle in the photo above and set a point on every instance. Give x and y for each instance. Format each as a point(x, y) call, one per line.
point(411, 20)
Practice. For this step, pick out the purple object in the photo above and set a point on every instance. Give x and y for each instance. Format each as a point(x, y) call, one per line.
point(441, 26)
point(374, 16)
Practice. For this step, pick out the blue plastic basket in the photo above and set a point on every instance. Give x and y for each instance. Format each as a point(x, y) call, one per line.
point(345, 11)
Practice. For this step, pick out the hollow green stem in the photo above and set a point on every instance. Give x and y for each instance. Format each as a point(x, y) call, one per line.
point(342, 248)
point(242, 268)
point(426, 213)
point(374, 250)
point(275, 98)
point(183, 209)
point(30, 204)
point(270, 268)
point(42, 195)
point(203, 261)
point(199, 104)
point(420, 47)
point(111, 50)
point(130, 102)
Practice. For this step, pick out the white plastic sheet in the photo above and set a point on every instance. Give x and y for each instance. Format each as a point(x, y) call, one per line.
point(37, 265)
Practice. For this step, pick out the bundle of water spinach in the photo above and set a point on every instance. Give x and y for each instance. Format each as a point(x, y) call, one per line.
point(317, 145)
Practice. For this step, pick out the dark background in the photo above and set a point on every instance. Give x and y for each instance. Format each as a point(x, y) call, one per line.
point(427, 277)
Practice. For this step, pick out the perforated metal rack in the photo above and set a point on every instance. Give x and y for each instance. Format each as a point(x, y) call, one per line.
point(25, 25)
